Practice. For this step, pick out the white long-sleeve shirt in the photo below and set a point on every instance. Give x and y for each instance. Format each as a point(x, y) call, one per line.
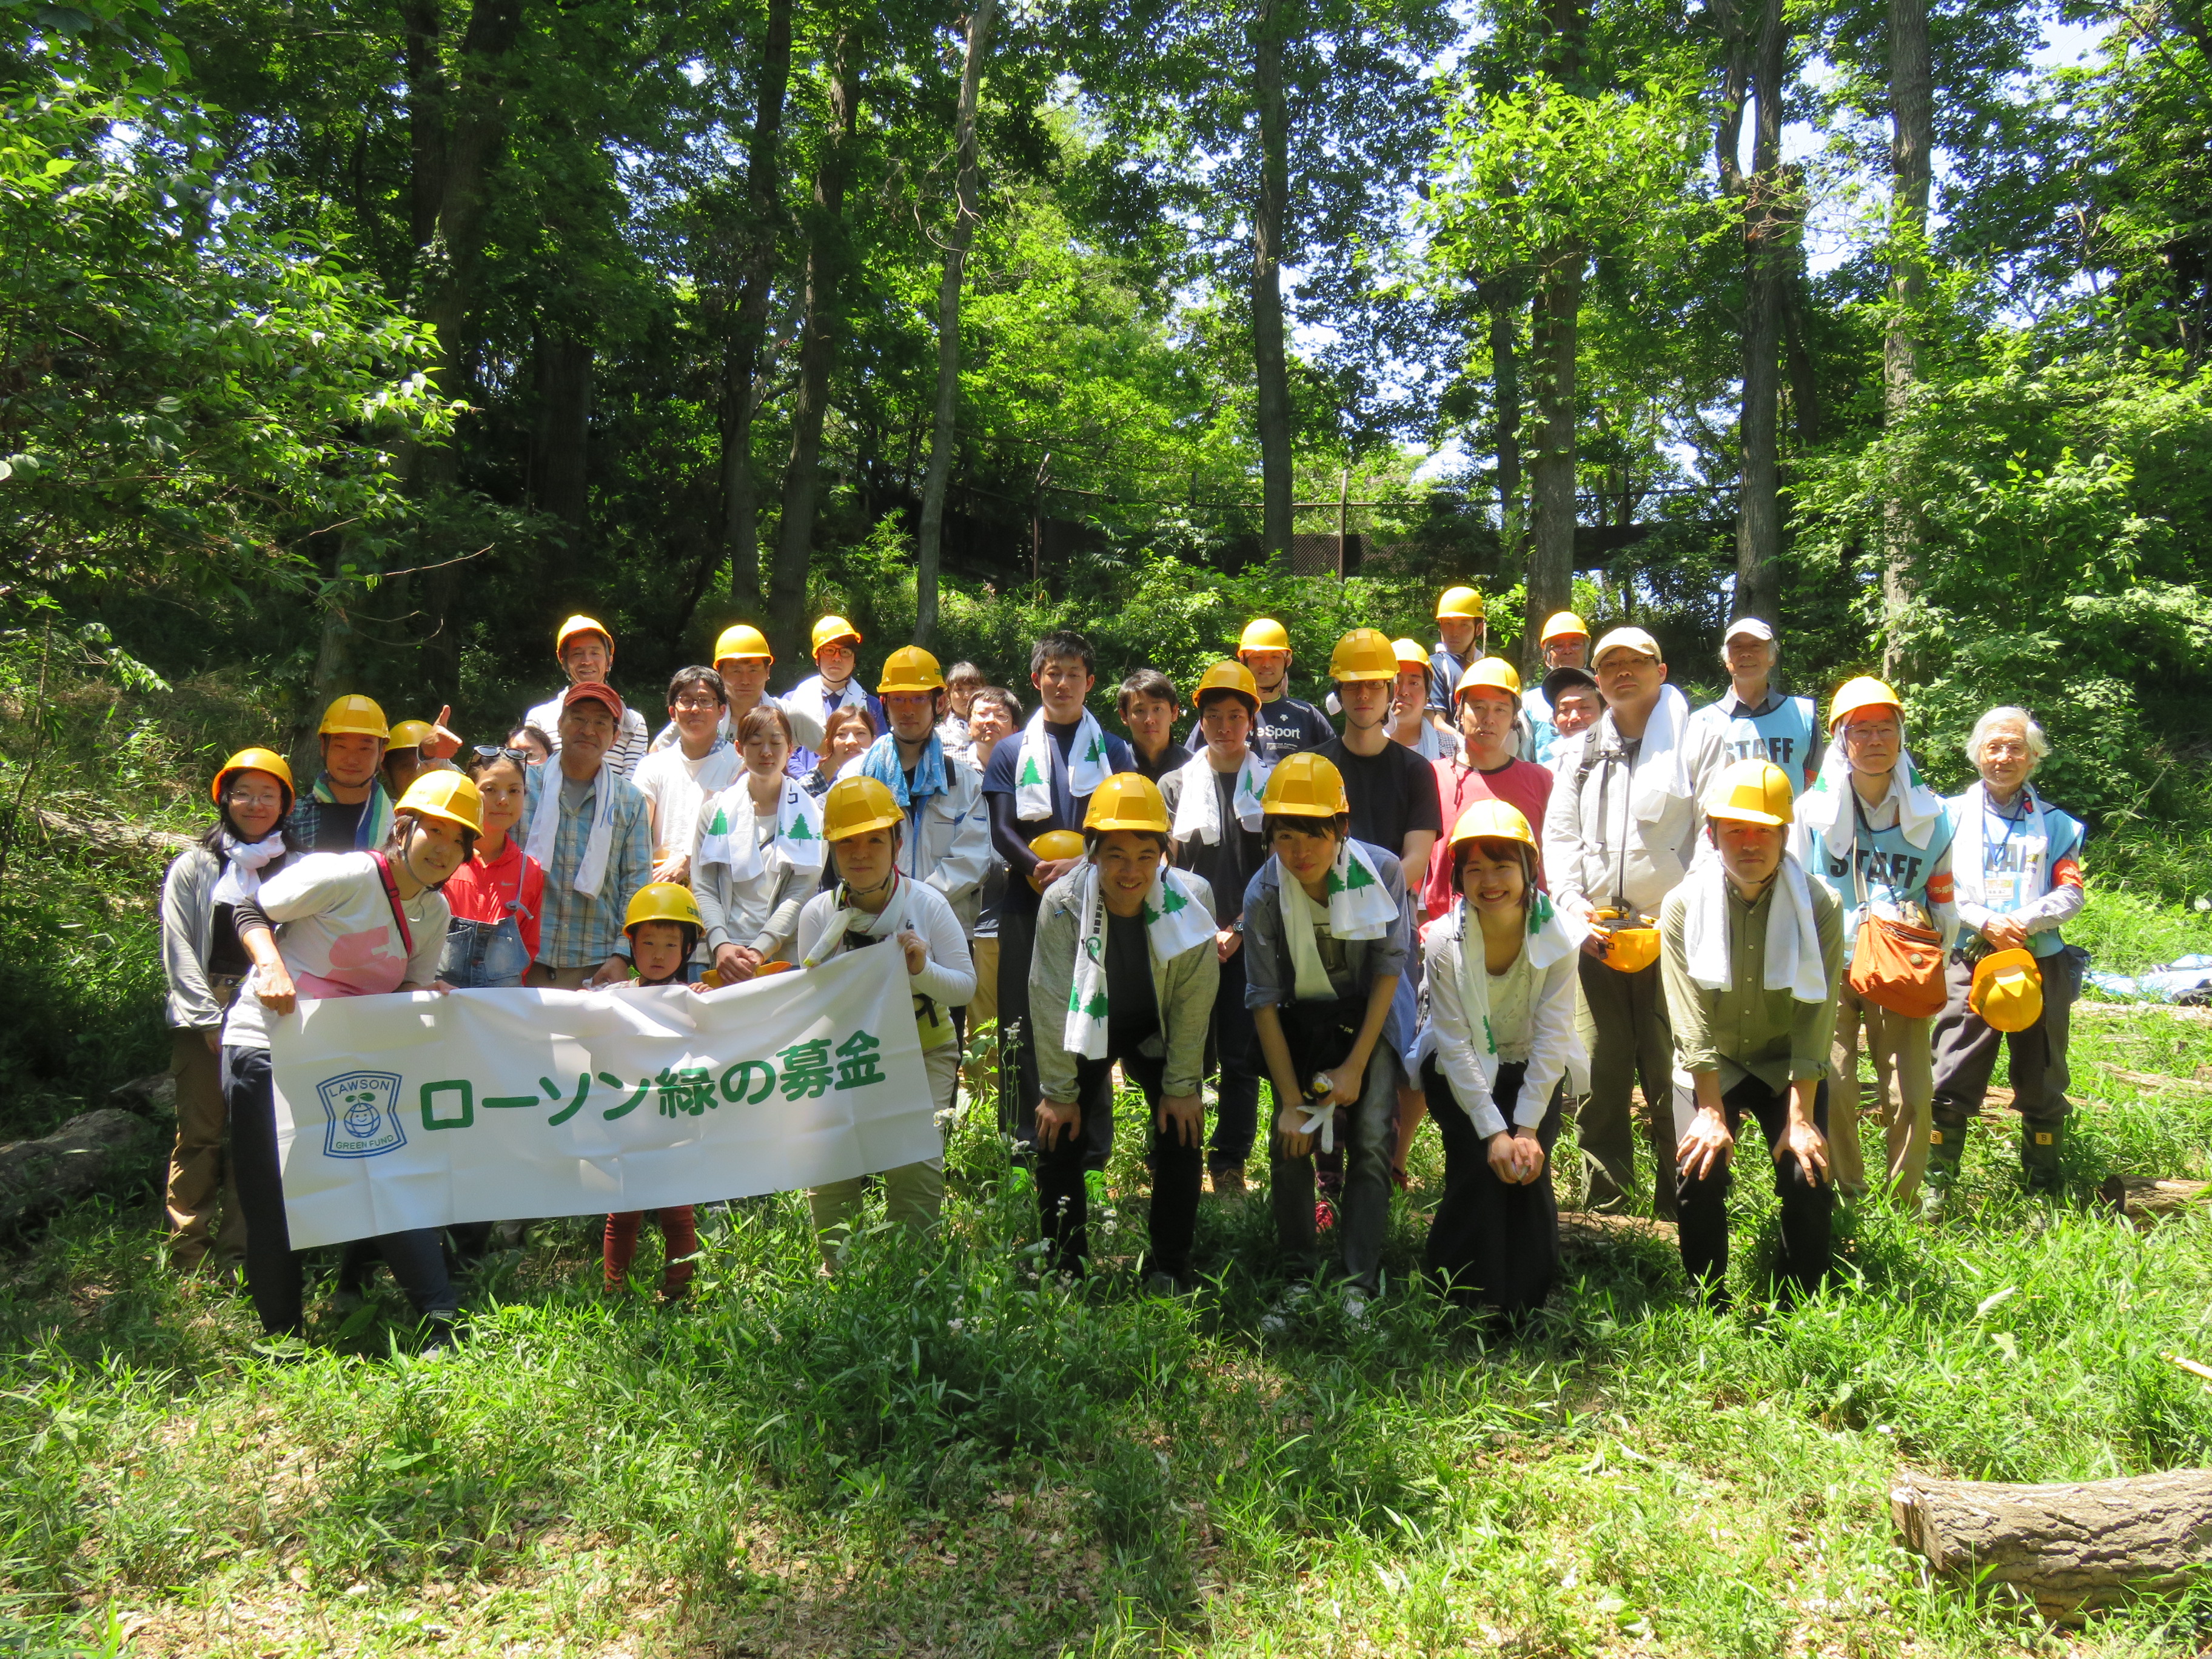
point(948, 973)
point(1532, 1019)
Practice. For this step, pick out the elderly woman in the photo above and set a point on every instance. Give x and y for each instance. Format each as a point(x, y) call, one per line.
point(205, 963)
point(2017, 861)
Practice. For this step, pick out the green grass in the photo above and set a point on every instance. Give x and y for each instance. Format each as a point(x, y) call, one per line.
point(940, 1453)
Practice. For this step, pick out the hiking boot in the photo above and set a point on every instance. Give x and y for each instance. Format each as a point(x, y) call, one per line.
point(1324, 1215)
point(1229, 1183)
point(1288, 1306)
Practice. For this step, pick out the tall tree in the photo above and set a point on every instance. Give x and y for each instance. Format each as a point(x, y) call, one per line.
point(1270, 216)
point(958, 240)
point(1554, 321)
point(1770, 268)
point(827, 256)
point(748, 319)
point(1913, 138)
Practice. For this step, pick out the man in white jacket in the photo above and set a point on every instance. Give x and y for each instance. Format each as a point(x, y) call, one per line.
point(1618, 835)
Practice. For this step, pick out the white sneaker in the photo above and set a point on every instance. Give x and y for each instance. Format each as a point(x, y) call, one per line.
point(1288, 1306)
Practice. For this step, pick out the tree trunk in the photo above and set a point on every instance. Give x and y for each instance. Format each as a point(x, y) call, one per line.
point(1767, 270)
point(1912, 123)
point(106, 1151)
point(749, 325)
point(422, 23)
point(1553, 331)
point(929, 540)
point(2070, 1546)
point(1804, 388)
point(559, 444)
point(1505, 382)
point(1270, 373)
point(826, 255)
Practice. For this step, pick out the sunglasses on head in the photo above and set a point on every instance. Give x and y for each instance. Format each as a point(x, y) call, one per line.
point(501, 751)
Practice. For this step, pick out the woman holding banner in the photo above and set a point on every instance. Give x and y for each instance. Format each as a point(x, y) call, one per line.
point(340, 925)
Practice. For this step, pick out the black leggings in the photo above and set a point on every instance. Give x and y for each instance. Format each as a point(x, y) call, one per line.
point(1493, 1242)
point(1177, 1173)
point(1807, 1209)
point(273, 1274)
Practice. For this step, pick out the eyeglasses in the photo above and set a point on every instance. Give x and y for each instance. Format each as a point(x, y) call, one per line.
point(694, 706)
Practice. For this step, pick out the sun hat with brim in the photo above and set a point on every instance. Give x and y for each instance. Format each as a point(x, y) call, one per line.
point(1632, 639)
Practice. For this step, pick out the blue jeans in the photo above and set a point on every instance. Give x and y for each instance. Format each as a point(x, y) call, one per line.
point(483, 956)
point(1319, 1036)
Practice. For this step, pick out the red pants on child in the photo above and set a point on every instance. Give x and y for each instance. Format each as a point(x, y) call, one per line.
point(679, 1237)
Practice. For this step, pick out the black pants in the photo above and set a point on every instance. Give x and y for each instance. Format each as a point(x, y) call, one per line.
point(1236, 1050)
point(1018, 1089)
point(1493, 1243)
point(1632, 1046)
point(1807, 1208)
point(1177, 1173)
point(417, 1258)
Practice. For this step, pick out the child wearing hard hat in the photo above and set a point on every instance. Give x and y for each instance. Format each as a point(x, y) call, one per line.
point(1285, 724)
point(586, 652)
point(1040, 782)
point(1752, 954)
point(1126, 955)
point(1881, 840)
point(1326, 939)
point(1214, 802)
point(204, 962)
point(2018, 862)
point(1498, 1038)
point(832, 686)
point(353, 924)
point(1619, 831)
point(876, 902)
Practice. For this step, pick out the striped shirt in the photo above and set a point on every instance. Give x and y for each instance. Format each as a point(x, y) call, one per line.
point(582, 930)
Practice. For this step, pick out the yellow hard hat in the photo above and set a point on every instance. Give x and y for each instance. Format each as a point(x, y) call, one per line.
point(1052, 846)
point(355, 714)
point(1492, 820)
point(832, 629)
point(1365, 654)
point(576, 625)
point(1228, 676)
point(1460, 602)
point(1304, 785)
point(409, 734)
point(1752, 791)
point(910, 668)
point(742, 640)
point(1128, 801)
point(856, 804)
point(1491, 673)
point(664, 901)
point(448, 795)
point(2008, 990)
point(1412, 654)
point(1632, 949)
point(1562, 625)
point(255, 760)
point(1864, 692)
point(1263, 634)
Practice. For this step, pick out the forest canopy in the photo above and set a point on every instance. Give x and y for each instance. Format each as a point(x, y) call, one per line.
point(357, 341)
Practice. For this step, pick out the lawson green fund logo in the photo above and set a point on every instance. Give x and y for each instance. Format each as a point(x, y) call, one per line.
point(361, 1114)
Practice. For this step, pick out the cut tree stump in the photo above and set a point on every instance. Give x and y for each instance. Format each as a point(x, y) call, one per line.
point(2070, 1548)
point(106, 1151)
point(2146, 1202)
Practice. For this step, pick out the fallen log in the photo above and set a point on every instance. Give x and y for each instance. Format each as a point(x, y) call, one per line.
point(2069, 1548)
point(2145, 1202)
point(114, 836)
point(106, 1150)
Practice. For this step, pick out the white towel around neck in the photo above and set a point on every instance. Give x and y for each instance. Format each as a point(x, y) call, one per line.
point(1794, 963)
point(545, 825)
point(1198, 808)
point(1087, 766)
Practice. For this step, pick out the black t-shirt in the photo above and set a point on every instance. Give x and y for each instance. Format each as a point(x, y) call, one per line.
point(1285, 727)
point(337, 823)
point(1133, 1009)
point(1230, 864)
point(1068, 808)
point(1391, 793)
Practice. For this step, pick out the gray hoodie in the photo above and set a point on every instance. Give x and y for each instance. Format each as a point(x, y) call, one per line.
point(1184, 986)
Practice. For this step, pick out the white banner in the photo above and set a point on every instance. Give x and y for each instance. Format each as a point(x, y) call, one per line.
point(395, 1112)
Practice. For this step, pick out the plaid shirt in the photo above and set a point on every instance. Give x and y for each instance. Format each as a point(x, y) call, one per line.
point(582, 930)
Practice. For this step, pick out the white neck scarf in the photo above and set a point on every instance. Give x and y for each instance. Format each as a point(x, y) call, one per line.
point(1794, 963)
point(1174, 921)
point(1551, 935)
point(1198, 810)
point(243, 862)
point(545, 825)
point(1662, 762)
point(1827, 808)
point(849, 918)
point(1359, 907)
point(733, 834)
point(1087, 766)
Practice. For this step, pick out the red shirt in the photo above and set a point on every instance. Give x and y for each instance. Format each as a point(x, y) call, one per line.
point(1518, 783)
point(481, 890)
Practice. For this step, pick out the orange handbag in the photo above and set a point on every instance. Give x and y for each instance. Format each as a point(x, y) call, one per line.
point(1897, 966)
